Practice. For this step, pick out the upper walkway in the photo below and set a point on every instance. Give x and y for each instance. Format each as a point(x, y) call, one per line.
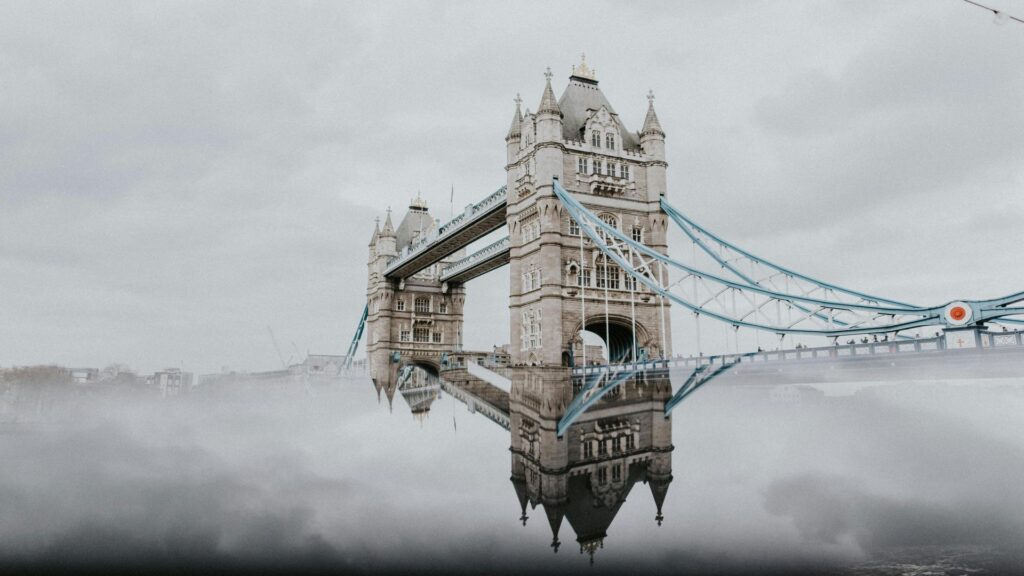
point(476, 221)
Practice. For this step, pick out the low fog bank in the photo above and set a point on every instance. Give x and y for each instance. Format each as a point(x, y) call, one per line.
point(340, 478)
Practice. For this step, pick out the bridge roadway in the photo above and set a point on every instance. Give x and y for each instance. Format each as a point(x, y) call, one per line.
point(475, 222)
point(479, 396)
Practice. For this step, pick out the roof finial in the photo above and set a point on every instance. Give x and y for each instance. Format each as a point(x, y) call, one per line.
point(548, 74)
point(518, 100)
point(584, 71)
point(650, 97)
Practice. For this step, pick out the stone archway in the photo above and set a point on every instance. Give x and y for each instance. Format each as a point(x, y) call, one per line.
point(616, 331)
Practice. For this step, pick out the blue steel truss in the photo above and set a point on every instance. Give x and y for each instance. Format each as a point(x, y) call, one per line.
point(700, 376)
point(757, 271)
point(592, 392)
point(355, 339)
point(744, 302)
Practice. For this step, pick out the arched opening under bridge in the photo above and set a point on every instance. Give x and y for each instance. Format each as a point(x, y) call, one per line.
point(614, 335)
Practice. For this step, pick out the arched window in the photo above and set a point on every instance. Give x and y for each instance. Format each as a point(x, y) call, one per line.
point(609, 141)
point(610, 220)
point(595, 139)
point(442, 307)
point(637, 234)
point(422, 304)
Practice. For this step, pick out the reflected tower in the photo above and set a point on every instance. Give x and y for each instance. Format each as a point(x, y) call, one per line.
point(585, 477)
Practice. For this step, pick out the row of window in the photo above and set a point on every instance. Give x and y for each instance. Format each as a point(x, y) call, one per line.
point(602, 167)
point(606, 276)
point(609, 446)
point(531, 280)
point(609, 140)
point(530, 335)
point(421, 335)
point(602, 474)
point(636, 232)
point(421, 305)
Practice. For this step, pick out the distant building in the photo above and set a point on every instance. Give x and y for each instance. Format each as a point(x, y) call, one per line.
point(171, 382)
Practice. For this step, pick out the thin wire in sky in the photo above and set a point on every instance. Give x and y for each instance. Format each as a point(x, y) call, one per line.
point(998, 13)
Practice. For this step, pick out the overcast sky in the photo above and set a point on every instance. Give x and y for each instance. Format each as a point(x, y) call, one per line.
point(175, 177)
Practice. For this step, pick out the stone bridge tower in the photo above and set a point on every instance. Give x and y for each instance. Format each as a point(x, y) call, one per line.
point(618, 174)
point(413, 317)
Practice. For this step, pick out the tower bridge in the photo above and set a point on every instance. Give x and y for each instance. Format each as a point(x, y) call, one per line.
point(586, 209)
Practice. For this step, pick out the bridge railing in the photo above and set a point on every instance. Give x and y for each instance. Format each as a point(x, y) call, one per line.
point(453, 225)
point(871, 348)
point(471, 260)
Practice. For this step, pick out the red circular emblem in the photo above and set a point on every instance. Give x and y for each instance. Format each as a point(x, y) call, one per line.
point(957, 313)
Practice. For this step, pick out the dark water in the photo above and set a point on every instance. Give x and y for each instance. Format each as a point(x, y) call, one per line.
point(917, 477)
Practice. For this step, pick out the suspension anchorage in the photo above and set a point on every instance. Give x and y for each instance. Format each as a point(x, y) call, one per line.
point(958, 313)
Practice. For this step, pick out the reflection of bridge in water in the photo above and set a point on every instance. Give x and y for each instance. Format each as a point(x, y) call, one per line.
point(582, 226)
point(581, 477)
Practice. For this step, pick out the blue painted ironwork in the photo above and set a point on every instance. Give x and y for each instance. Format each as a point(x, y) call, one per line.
point(589, 396)
point(700, 376)
point(819, 315)
point(762, 272)
point(355, 339)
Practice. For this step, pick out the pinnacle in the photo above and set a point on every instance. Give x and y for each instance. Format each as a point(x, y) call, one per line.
point(515, 130)
point(548, 103)
point(651, 123)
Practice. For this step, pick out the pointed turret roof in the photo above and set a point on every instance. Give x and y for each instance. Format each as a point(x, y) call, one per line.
point(659, 488)
point(555, 513)
point(516, 129)
point(651, 124)
point(548, 104)
point(389, 228)
point(376, 232)
point(519, 483)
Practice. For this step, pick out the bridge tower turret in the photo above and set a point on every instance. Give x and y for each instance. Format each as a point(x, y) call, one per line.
point(580, 140)
point(417, 317)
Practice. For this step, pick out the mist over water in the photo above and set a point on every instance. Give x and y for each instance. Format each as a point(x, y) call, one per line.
point(339, 478)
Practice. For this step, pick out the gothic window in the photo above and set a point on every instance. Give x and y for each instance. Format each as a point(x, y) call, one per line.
point(574, 227)
point(403, 335)
point(531, 329)
point(442, 307)
point(421, 334)
point(595, 139)
point(400, 304)
point(530, 230)
point(629, 283)
point(607, 276)
point(610, 220)
point(422, 304)
point(609, 141)
point(637, 234)
point(583, 279)
point(630, 443)
point(437, 337)
point(617, 472)
point(581, 165)
point(588, 449)
point(531, 280)
point(625, 171)
point(602, 475)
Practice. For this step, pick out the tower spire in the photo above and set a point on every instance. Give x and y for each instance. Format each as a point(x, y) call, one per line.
point(389, 228)
point(548, 104)
point(515, 130)
point(651, 124)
